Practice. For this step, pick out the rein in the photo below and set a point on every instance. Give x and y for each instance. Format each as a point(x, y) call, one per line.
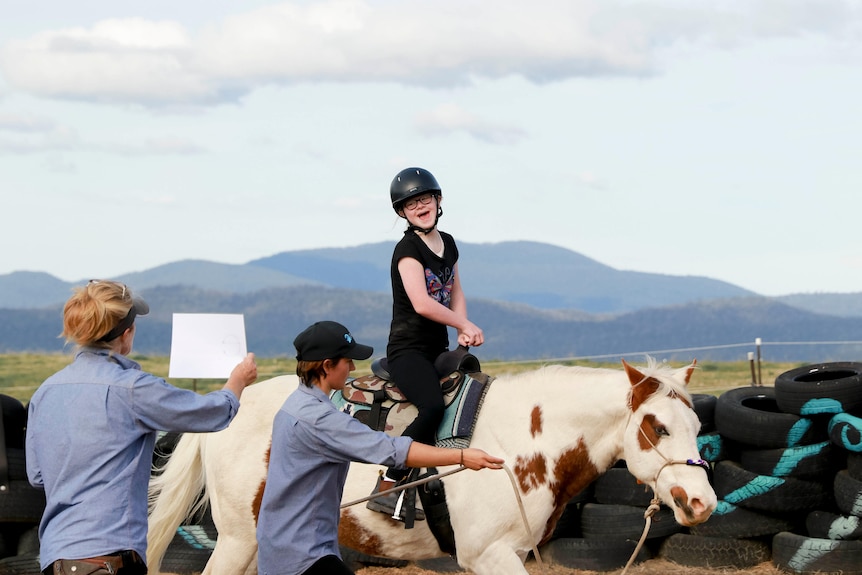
point(656, 502)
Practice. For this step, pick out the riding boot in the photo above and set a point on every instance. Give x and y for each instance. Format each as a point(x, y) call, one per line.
point(391, 504)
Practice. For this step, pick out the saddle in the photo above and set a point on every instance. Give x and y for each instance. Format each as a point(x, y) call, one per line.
point(376, 401)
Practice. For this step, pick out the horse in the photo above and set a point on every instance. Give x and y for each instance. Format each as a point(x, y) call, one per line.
point(557, 427)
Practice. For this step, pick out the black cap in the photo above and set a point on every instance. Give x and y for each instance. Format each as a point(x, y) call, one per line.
point(326, 340)
point(139, 307)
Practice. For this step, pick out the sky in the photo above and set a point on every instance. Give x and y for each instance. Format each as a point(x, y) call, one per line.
point(718, 139)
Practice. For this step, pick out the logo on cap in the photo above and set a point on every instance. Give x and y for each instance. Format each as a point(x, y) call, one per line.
point(348, 338)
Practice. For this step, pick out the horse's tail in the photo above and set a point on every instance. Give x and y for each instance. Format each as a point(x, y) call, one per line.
point(177, 491)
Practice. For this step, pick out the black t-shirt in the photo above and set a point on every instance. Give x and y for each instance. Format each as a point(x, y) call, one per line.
point(409, 330)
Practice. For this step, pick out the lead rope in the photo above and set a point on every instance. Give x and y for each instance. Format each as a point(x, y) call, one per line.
point(450, 472)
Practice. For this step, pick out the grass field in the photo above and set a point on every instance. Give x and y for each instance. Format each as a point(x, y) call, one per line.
point(21, 374)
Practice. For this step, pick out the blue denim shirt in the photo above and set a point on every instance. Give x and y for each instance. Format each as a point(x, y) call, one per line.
point(90, 435)
point(312, 446)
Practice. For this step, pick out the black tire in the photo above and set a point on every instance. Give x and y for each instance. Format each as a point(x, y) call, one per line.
point(592, 554)
point(810, 556)
point(439, 565)
point(187, 553)
point(28, 541)
point(845, 431)
point(734, 522)
point(712, 447)
point(20, 565)
point(827, 525)
point(848, 493)
point(816, 461)
point(14, 421)
point(750, 415)
point(600, 521)
point(713, 552)
point(744, 488)
point(569, 523)
point(22, 503)
point(704, 407)
point(820, 388)
point(618, 486)
point(854, 465)
point(166, 442)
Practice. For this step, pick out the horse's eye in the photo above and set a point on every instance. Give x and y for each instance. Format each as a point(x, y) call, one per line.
point(661, 431)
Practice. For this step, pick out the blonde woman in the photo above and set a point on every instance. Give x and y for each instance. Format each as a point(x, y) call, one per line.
point(91, 430)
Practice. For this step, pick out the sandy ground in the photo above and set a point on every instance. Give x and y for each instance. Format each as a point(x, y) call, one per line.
point(651, 567)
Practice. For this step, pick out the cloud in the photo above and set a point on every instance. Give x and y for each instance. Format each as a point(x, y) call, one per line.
point(451, 118)
point(26, 123)
point(443, 43)
point(39, 135)
point(48, 137)
point(164, 146)
point(591, 180)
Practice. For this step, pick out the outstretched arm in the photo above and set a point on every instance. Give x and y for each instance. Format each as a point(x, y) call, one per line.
point(422, 455)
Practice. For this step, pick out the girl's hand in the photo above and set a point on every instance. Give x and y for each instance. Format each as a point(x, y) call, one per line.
point(471, 335)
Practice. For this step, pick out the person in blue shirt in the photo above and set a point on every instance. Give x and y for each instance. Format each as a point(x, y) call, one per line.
point(313, 444)
point(91, 431)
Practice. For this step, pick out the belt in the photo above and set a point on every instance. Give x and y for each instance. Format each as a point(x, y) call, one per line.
point(112, 563)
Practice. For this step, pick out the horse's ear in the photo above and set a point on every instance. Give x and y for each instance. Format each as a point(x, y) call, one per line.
point(633, 374)
point(689, 370)
point(640, 393)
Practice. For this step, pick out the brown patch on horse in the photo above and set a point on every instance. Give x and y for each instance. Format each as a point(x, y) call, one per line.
point(532, 472)
point(649, 437)
point(573, 472)
point(680, 499)
point(536, 421)
point(352, 534)
point(258, 495)
point(643, 387)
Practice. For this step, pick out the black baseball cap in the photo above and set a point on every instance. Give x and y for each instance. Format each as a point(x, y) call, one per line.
point(326, 340)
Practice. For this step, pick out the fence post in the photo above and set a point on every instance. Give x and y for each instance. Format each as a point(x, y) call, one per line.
point(757, 343)
point(751, 364)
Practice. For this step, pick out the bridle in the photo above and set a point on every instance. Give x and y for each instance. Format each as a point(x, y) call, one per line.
point(702, 463)
point(656, 502)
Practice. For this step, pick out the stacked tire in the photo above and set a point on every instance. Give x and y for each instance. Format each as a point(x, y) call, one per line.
point(786, 467)
point(831, 539)
point(21, 505)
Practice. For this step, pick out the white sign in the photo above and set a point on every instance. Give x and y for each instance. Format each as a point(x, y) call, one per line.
point(206, 345)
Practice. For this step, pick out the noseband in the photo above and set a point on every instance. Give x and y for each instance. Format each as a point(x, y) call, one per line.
point(703, 464)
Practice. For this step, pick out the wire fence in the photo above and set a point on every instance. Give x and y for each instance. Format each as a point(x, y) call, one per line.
point(756, 345)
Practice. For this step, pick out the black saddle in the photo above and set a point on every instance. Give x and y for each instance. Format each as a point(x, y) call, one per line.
point(457, 360)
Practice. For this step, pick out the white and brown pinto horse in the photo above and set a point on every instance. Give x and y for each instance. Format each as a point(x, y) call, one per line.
point(558, 428)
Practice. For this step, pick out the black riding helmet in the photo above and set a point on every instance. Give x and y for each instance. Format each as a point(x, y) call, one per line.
point(412, 182)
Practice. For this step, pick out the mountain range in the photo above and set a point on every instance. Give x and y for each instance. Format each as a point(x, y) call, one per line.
point(533, 300)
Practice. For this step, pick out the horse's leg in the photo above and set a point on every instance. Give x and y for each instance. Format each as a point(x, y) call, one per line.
point(232, 557)
point(232, 491)
point(496, 559)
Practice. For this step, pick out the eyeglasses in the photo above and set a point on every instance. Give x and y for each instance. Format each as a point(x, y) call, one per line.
point(414, 202)
point(122, 297)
